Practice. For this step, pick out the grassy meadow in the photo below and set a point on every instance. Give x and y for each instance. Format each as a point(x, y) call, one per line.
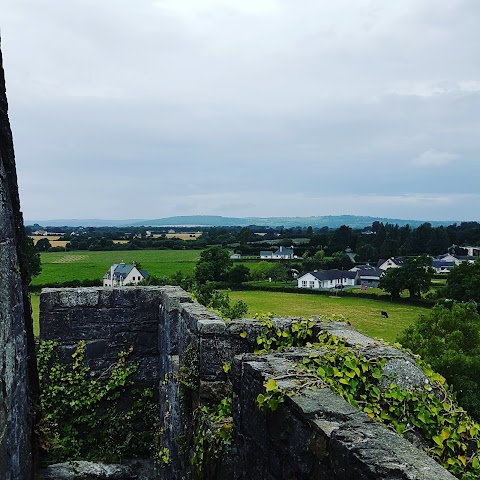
point(58, 267)
point(35, 299)
point(362, 313)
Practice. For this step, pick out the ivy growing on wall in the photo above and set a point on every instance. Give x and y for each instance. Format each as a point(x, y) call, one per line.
point(89, 418)
point(450, 435)
point(213, 432)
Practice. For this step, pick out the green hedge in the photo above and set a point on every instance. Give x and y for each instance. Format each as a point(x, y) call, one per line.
point(70, 284)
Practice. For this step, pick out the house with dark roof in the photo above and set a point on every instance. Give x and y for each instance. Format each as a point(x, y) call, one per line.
point(442, 266)
point(392, 262)
point(121, 274)
point(367, 275)
point(327, 279)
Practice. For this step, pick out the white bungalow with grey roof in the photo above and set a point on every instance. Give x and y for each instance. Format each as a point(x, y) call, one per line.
point(327, 279)
point(282, 253)
point(121, 274)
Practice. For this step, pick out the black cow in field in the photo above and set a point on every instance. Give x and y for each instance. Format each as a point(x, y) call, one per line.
point(384, 314)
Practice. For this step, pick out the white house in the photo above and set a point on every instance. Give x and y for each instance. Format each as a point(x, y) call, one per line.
point(121, 274)
point(327, 279)
point(392, 262)
point(283, 253)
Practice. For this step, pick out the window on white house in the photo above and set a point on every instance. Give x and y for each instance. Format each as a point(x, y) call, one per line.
point(304, 283)
point(312, 284)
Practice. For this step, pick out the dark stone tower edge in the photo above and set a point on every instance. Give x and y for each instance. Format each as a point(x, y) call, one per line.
point(8, 156)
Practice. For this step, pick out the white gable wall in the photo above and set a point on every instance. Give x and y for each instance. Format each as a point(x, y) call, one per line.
point(134, 277)
point(308, 281)
point(388, 264)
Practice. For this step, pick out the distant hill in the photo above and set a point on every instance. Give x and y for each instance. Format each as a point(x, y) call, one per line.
point(330, 221)
point(84, 222)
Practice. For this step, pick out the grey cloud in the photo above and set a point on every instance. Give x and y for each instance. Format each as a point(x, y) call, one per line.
point(433, 158)
point(256, 99)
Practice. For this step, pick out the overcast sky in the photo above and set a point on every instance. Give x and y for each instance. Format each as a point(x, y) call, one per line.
point(146, 109)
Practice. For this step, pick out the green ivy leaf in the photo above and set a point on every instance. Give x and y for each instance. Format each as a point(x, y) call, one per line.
point(270, 385)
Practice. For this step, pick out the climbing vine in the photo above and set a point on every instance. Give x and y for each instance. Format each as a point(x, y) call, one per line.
point(87, 418)
point(451, 437)
point(298, 334)
point(213, 432)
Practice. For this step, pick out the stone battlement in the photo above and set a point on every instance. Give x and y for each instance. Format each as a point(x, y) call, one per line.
point(313, 434)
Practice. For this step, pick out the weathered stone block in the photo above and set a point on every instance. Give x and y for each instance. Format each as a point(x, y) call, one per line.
point(317, 434)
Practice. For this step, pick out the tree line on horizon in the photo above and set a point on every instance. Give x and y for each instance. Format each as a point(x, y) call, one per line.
point(370, 243)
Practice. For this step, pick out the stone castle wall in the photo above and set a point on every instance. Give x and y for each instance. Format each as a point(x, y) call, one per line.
point(314, 434)
point(18, 385)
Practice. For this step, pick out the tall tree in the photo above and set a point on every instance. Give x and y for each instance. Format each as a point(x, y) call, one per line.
point(389, 248)
point(417, 273)
point(463, 283)
point(279, 273)
point(213, 264)
point(450, 341)
point(415, 276)
point(238, 274)
point(439, 241)
point(342, 238)
point(366, 253)
point(43, 245)
point(244, 235)
point(393, 282)
point(34, 266)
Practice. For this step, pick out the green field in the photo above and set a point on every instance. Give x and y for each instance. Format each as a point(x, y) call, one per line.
point(59, 267)
point(35, 299)
point(362, 313)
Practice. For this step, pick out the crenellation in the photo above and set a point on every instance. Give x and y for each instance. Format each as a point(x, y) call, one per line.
point(182, 349)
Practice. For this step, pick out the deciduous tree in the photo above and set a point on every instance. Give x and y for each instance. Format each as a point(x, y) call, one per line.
point(463, 283)
point(213, 264)
point(450, 341)
point(415, 276)
point(34, 266)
